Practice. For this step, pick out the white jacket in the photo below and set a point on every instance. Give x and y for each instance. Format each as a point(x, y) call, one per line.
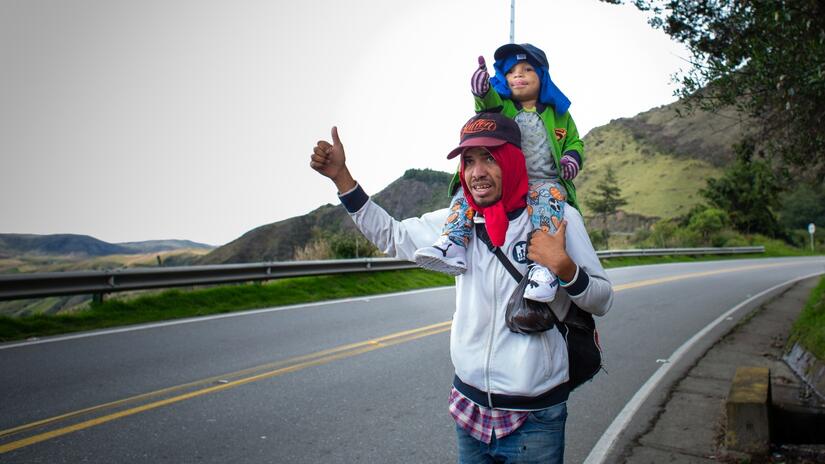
point(510, 369)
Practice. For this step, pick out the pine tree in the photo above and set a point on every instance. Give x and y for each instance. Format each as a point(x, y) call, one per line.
point(607, 199)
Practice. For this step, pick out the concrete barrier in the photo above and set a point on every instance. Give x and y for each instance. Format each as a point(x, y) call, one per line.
point(748, 411)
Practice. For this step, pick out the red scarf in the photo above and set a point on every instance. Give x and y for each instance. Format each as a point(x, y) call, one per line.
point(513, 191)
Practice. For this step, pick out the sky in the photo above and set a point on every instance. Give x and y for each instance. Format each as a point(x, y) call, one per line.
point(195, 119)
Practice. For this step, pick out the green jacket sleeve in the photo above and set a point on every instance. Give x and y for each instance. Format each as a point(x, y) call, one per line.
point(491, 101)
point(572, 142)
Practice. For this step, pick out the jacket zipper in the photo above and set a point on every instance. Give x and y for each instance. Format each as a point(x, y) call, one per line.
point(490, 342)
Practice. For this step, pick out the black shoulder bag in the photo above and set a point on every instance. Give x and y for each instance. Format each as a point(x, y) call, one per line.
point(584, 354)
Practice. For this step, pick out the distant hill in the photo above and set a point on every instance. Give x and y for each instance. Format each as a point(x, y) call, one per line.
point(12, 245)
point(661, 161)
point(154, 246)
point(415, 193)
point(57, 244)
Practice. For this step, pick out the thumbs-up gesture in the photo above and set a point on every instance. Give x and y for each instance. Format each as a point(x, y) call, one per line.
point(480, 82)
point(330, 161)
point(550, 251)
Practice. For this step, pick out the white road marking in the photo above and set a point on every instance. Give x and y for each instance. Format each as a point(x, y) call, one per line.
point(605, 444)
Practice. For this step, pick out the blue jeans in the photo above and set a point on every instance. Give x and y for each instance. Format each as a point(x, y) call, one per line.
point(540, 439)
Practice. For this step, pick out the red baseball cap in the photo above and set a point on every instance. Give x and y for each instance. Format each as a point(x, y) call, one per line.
point(487, 130)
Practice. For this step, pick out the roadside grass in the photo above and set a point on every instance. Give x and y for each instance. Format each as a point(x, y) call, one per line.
point(176, 304)
point(122, 310)
point(809, 328)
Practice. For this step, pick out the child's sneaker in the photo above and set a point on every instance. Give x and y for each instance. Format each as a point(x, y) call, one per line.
point(443, 256)
point(542, 284)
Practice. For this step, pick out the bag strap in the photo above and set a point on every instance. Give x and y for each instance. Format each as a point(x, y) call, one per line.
point(481, 233)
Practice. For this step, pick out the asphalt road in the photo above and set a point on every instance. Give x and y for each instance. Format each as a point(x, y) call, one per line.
point(362, 380)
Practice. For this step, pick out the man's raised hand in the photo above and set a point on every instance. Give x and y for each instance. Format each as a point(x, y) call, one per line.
point(330, 161)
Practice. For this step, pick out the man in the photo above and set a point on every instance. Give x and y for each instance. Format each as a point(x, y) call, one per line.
point(510, 390)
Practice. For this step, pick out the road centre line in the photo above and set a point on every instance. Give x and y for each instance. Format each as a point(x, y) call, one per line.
point(304, 362)
point(662, 280)
point(248, 371)
point(292, 365)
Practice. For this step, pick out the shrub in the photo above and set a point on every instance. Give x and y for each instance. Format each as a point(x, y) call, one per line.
point(598, 237)
point(662, 234)
point(708, 221)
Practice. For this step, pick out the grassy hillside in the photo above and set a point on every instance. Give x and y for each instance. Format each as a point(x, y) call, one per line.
point(662, 157)
point(154, 246)
point(416, 192)
point(65, 263)
point(654, 182)
point(54, 305)
point(699, 135)
point(57, 244)
point(76, 247)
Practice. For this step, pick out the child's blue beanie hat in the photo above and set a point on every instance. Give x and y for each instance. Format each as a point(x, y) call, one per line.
point(508, 55)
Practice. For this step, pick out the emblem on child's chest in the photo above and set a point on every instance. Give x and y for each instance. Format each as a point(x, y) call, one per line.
point(560, 133)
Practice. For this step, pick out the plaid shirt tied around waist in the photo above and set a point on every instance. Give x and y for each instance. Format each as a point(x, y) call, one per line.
point(480, 422)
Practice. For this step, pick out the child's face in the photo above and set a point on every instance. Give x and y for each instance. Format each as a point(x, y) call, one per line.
point(524, 82)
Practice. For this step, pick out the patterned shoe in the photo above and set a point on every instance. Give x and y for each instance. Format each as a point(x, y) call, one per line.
point(542, 284)
point(443, 256)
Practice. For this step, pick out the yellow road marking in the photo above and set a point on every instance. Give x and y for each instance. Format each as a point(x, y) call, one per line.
point(216, 378)
point(662, 280)
point(300, 362)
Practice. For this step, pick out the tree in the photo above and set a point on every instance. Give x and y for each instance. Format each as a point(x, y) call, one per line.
point(765, 57)
point(707, 222)
point(607, 200)
point(748, 191)
point(803, 205)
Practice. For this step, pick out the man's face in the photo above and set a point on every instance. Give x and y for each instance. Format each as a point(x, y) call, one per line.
point(524, 82)
point(482, 174)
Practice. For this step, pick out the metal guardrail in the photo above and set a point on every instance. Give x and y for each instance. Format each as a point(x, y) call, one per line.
point(39, 285)
point(680, 251)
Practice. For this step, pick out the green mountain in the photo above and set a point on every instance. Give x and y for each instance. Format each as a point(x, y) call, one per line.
point(154, 246)
point(12, 245)
point(660, 159)
point(415, 193)
point(57, 244)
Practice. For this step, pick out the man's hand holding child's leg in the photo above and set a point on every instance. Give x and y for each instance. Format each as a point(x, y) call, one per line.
point(550, 251)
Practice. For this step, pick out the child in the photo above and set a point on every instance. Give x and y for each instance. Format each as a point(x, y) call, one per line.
point(521, 90)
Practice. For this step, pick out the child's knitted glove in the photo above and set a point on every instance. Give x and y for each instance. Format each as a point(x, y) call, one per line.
point(480, 82)
point(569, 167)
